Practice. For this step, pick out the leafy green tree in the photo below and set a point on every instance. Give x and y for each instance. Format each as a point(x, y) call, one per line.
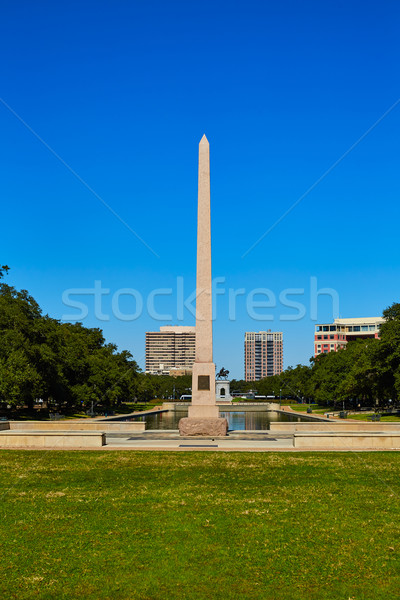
point(20, 381)
point(3, 269)
point(66, 364)
point(389, 352)
point(361, 381)
point(327, 371)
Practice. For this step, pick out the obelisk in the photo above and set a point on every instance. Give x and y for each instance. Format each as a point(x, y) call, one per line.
point(203, 416)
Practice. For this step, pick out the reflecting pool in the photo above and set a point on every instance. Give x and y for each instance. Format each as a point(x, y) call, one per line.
point(237, 420)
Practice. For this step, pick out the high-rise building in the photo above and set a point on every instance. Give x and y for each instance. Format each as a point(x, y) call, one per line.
point(330, 337)
point(263, 354)
point(169, 349)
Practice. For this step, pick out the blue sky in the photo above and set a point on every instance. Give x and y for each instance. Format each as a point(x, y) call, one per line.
point(123, 92)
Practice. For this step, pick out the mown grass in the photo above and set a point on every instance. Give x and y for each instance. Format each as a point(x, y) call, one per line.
point(137, 525)
point(367, 417)
point(303, 408)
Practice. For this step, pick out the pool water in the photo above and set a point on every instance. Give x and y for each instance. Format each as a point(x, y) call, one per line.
point(237, 420)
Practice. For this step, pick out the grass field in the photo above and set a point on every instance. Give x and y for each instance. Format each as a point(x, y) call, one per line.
point(315, 408)
point(130, 525)
point(367, 417)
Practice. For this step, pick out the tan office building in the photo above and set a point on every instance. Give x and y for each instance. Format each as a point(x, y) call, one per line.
point(263, 354)
point(170, 350)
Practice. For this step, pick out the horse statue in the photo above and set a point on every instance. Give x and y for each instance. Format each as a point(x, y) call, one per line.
point(223, 374)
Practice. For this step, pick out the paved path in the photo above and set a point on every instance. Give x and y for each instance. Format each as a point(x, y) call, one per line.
point(221, 445)
point(170, 440)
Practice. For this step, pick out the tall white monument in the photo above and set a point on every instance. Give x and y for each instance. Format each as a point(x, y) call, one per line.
point(203, 417)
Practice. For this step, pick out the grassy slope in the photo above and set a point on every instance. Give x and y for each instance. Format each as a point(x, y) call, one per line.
point(127, 525)
point(315, 408)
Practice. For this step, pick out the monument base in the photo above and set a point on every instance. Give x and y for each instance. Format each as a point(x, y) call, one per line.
point(203, 426)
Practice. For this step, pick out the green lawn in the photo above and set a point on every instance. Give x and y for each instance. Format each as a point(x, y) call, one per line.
point(315, 408)
point(367, 417)
point(165, 525)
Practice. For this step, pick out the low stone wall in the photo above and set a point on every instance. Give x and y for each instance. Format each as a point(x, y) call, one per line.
point(330, 426)
point(173, 405)
point(249, 407)
point(139, 413)
point(229, 406)
point(52, 439)
point(78, 425)
point(304, 416)
point(347, 441)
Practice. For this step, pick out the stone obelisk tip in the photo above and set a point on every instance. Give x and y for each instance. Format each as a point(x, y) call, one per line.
point(204, 140)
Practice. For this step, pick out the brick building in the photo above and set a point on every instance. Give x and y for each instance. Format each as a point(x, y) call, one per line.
point(330, 337)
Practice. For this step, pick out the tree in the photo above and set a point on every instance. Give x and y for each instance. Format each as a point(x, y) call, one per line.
point(3, 269)
point(389, 352)
point(362, 381)
point(20, 381)
point(64, 363)
point(391, 313)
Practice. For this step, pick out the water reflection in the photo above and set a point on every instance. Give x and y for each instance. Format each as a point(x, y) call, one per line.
point(237, 420)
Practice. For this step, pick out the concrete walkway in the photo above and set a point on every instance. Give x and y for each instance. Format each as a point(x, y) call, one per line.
point(236, 441)
point(172, 441)
point(222, 445)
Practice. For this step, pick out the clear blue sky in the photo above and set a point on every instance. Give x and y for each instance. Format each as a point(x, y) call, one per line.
point(123, 92)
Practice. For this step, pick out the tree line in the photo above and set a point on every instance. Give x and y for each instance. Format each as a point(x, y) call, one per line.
point(365, 373)
point(67, 366)
point(72, 366)
point(61, 363)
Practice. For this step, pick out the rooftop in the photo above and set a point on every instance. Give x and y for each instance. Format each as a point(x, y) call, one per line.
point(359, 320)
